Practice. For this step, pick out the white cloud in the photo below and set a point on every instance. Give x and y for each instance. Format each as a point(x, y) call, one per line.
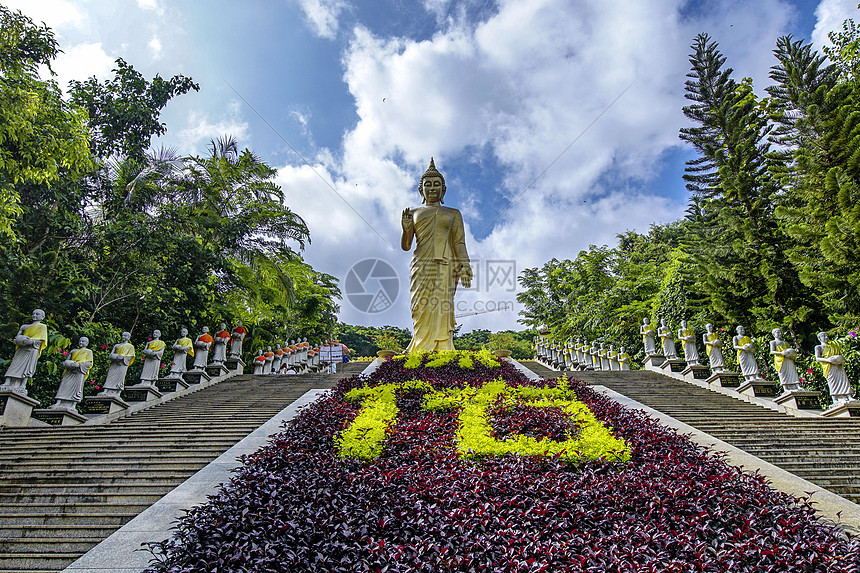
point(522, 85)
point(200, 129)
point(322, 15)
point(155, 48)
point(57, 14)
point(830, 15)
point(82, 61)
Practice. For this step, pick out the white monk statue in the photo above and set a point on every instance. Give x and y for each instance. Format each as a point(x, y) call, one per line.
point(648, 337)
point(201, 349)
point(440, 262)
point(746, 355)
point(270, 358)
point(714, 348)
point(239, 333)
point(829, 354)
point(687, 337)
point(30, 341)
point(783, 361)
point(259, 362)
point(613, 358)
point(595, 356)
point(152, 358)
point(219, 347)
point(77, 367)
point(667, 341)
point(121, 358)
point(623, 359)
point(182, 348)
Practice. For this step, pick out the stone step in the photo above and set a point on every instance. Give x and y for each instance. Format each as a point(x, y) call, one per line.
point(22, 531)
point(105, 476)
point(41, 466)
point(65, 520)
point(107, 498)
point(36, 562)
point(84, 487)
point(82, 508)
point(41, 545)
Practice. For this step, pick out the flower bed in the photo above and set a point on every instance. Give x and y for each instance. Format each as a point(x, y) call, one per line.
point(419, 502)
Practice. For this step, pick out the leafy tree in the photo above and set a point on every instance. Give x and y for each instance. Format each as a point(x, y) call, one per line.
point(124, 111)
point(41, 135)
point(735, 188)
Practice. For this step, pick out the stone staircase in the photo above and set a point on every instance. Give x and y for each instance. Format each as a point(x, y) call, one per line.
point(824, 451)
point(64, 489)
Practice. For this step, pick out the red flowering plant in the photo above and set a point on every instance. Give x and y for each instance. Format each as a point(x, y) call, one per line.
point(421, 502)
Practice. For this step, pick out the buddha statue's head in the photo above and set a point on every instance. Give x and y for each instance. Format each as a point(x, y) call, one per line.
point(432, 185)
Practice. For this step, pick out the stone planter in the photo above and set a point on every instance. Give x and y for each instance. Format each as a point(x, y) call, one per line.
point(385, 353)
point(502, 353)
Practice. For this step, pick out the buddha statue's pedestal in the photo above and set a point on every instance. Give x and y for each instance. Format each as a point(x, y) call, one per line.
point(141, 393)
point(94, 406)
point(725, 379)
point(235, 365)
point(58, 417)
point(696, 372)
point(758, 388)
point(800, 400)
point(15, 408)
point(170, 384)
point(195, 376)
point(216, 371)
point(655, 360)
point(845, 409)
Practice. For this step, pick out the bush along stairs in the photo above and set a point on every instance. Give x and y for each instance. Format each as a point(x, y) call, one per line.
point(824, 451)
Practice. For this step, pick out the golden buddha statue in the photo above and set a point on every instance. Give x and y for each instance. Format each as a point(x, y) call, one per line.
point(440, 261)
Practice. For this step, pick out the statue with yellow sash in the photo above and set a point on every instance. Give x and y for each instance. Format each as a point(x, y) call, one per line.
point(77, 366)
point(829, 355)
point(746, 355)
point(183, 347)
point(687, 337)
point(648, 337)
point(714, 348)
point(440, 261)
point(783, 361)
point(30, 341)
point(623, 359)
point(152, 359)
point(121, 357)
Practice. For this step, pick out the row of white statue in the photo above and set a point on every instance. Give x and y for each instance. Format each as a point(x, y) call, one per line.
point(579, 355)
point(827, 353)
point(32, 339)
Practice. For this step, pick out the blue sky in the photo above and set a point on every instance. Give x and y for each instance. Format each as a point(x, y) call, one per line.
point(349, 99)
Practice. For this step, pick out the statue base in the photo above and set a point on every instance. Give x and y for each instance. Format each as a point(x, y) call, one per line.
point(725, 379)
point(216, 371)
point(102, 405)
point(758, 388)
point(15, 408)
point(195, 376)
point(170, 384)
point(799, 400)
point(235, 365)
point(696, 372)
point(654, 360)
point(141, 393)
point(843, 410)
point(59, 417)
point(673, 365)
